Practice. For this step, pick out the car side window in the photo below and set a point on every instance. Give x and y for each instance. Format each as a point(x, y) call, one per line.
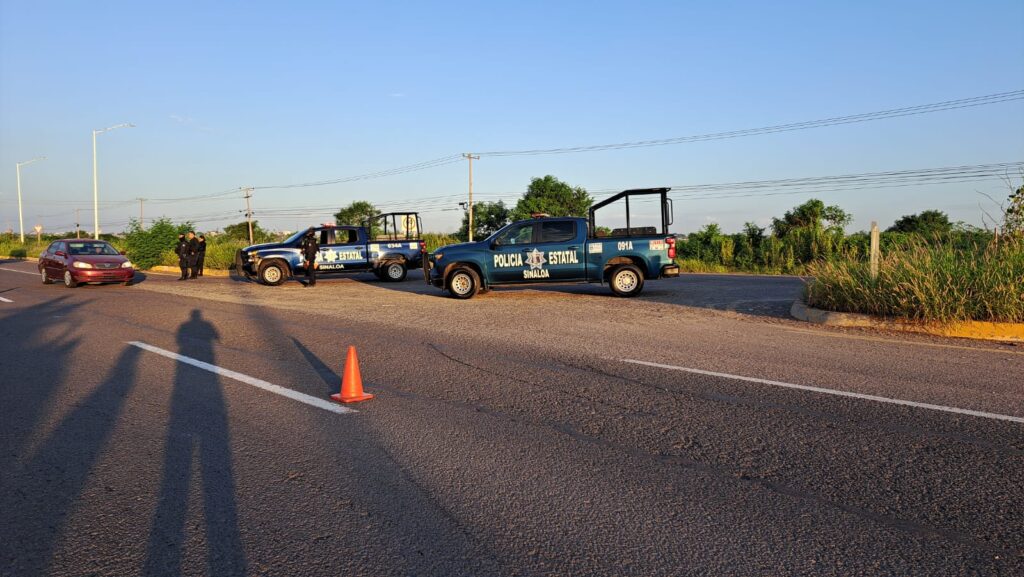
point(52, 248)
point(558, 231)
point(520, 234)
point(60, 246)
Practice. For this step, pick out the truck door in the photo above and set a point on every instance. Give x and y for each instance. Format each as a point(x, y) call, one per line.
point(344, 251)
point(510, 253)
point(560, 251)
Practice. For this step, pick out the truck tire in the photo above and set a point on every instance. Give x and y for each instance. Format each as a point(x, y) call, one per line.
point(463, 283)
point(273, 273)
point(393, 271)
point(626, 280)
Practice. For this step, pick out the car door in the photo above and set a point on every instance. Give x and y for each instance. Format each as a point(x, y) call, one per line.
point(560, 251)
point(56, 260)
point(45, 257)
point(344, 251)
point(511, 254)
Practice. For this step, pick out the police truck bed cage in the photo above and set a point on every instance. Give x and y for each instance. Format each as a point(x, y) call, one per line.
point(394, 226)
point(666, 212)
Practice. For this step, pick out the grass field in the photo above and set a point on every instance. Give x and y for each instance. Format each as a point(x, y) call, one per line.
point(930, 281)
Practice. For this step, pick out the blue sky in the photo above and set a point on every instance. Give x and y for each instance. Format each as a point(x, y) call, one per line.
point(234, 94)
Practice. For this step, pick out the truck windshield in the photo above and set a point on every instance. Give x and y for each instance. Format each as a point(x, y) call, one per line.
point(294, 238)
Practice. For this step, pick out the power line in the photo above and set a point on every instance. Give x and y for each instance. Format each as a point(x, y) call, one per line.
point(971, 102)
point(838, 120)
point(450, 159)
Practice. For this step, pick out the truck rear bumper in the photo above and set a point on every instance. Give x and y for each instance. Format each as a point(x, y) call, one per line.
point(669, 270)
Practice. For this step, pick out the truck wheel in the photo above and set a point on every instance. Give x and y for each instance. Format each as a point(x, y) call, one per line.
point(626, 280)
point(272, 273)
point(463, 283)
point(394, 271)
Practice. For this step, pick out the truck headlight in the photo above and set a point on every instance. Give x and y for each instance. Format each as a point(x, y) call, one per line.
point(80, 264)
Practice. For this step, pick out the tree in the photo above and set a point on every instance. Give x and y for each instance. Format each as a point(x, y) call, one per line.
point(487, 218)
point(929, 222)
point(1013, 214)
point(754, 234)
point(810, 216)
point(554, 197)
point(355, 213)
point(240, 231)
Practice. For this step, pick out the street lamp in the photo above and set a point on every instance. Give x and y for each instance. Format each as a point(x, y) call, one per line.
point(95, 179)
point(21, 221)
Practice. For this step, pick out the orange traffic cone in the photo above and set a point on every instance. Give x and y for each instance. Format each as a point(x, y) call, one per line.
point(351, 382)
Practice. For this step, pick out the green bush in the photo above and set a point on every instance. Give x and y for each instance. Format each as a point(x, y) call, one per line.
point(435, 240)
point(148, 247)
point(935, 280)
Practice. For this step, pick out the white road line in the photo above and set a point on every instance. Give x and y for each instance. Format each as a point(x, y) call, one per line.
point(833, 392)
point(260, 384)
point(6, 300)
point(21, 271)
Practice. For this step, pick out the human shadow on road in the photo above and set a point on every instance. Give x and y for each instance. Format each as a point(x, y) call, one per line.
point(198, 423)
point(38, 497)
point(331, 379)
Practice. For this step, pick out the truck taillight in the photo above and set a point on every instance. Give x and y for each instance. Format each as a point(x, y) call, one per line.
point(423, 247)
point(671, 242)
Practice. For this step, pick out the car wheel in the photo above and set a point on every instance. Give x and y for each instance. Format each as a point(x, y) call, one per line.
point(272, 274)
point(394, 271)
point(626, 280)
point(69, 281)
point(46, 277)
point(463, 283)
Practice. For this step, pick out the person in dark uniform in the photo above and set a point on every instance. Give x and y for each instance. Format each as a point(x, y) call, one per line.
point(181, 249)
point(193, 255)
point(310, 248)
point(201, 262)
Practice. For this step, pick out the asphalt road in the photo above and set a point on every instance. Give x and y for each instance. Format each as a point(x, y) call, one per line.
point(516, 433)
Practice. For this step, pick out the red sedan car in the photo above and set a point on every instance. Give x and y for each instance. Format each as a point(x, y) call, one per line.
point(78, 261)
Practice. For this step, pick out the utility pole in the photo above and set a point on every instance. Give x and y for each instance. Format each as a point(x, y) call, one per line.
point(142, 223)
point(469, 156)
point(248, 211)
point(78, 229)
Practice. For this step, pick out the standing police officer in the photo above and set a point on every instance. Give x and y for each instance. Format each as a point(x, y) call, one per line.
point(193, 255)
point(181, 249)
point(310, 248)
point(201, 262)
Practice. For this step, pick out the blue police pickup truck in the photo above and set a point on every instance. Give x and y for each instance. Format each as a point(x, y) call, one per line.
point(387, 245)
point(564, 250)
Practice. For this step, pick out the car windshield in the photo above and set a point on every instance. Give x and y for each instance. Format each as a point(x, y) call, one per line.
point(294, 237)
point(91, 248)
